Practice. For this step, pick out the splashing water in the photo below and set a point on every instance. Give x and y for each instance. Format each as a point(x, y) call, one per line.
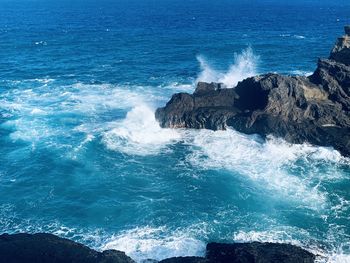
point(156, 243)
point(104, 162)
point(139, 133)
point(244, 66)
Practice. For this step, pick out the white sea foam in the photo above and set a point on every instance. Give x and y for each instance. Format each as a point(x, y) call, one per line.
point(266, 163)
point(297, 237)
point(293, 36)
point(94, 98)
point(301, 73)
point(244, 66)
point(43, 43)
point(299, 36)
point(155, 243)
point(334, 258)
point(279, 235)
point(37, 111)
point(139, 133)
point(33, 108)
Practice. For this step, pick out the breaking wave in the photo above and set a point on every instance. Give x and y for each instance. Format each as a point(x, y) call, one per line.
point(139, 133)
point(155, 243)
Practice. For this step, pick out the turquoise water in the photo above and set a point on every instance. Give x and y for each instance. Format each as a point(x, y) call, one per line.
point(82, 156)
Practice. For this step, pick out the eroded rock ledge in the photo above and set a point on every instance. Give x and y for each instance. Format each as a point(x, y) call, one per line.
point(48, 248)
point(312, 109)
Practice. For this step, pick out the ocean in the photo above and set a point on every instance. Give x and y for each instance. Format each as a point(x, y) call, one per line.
point(82, 156)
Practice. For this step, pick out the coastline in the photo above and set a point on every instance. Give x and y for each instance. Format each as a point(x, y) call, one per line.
point(88, 164)
point(44, 247)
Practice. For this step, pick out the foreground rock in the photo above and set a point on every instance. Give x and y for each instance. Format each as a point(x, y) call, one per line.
point(249, 253)
point(313, 109)
point(47, 248)
point(257, 253)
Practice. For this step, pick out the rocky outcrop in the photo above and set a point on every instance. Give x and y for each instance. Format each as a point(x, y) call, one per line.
point(47, 248)
point(341, 50)
point(313, 109)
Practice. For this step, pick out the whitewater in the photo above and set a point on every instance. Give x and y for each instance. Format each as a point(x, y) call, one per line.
point(83, 157)
point(263, 182)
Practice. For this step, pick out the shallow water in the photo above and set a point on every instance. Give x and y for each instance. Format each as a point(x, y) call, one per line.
point(82, 156)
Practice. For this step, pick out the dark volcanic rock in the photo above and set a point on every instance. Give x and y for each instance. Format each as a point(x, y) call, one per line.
point(25, 248)
point(249, 253)
point(208, 109)
point(47, 248)
point(334, 78)
point(341, 50)
point(257, 253)
point(298, 109)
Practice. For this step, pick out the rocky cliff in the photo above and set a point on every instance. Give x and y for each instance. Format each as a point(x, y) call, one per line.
point(313, 109)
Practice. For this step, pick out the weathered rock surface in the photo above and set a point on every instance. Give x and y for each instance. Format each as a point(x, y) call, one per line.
point(257, 253)
point(313, 109)
point(47, 248)
point(341, 50)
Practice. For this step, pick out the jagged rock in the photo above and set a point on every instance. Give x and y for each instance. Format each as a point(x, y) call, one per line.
point(341, 50)
point(47, 248)
point(334, 78)
point(257, 253)
point(296, 108)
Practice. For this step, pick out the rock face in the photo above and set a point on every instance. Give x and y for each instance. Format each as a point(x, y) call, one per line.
point(313, 109)
point(47, 248)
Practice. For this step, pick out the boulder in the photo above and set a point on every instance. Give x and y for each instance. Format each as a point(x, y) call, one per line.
point(48, 248)
point(257, 253)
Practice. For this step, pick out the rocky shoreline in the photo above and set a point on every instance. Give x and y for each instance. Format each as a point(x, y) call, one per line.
point(314, 109)
point(48, 248)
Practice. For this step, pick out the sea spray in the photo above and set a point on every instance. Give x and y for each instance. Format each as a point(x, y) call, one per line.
point(139, 133)
point(156, 243)
point(244, 66)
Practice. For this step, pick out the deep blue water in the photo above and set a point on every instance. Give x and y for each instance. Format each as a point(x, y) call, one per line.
point(81, 155)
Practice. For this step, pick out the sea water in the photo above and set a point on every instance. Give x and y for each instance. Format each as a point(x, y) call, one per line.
point(82, 156)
